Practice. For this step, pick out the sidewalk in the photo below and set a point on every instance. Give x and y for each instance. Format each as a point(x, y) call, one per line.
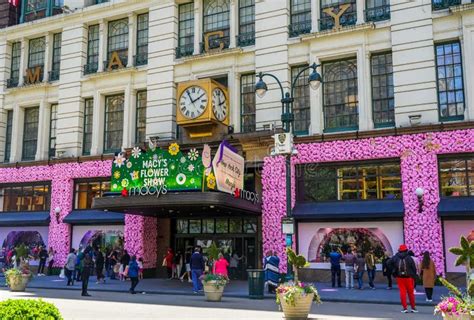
point(237, 289)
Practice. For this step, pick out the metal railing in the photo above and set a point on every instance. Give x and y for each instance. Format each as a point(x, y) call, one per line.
point(297, 28)
point(246, 39)
point(378, 13)
point(444, 4)
point(53, 75)
point(91, 68)
point(347, 19)
point(12, 83)
point(215, 43)
point(140, 59)
point(184, 50)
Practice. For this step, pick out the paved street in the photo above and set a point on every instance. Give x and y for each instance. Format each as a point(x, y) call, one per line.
point(116, 305)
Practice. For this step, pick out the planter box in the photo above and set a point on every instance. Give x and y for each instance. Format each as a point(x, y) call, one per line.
point(18, 283)
point(464, 316)
point(301, 308)
point(212, 292)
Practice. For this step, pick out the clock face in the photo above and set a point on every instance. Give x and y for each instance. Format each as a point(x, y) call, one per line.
point(193, 102)
point(219, 104)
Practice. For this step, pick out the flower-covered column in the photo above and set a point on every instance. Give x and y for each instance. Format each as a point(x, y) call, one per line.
point(141, 238)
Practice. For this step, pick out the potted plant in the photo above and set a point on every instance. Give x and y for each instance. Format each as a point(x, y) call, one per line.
point(460, 305)
point(213, 286)
point(17, 279)
point(295, 297)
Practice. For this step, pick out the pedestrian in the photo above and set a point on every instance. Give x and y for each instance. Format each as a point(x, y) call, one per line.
point(359, 269)
point(187, 263)
point(87, 267)
point(220, 266)
point(417, 264)
point(350, 260)
point(335, 259)
point(140, 268)
point(99, 266)
point(43, 256)
point(107, 262)
point(197, 268)
point(124, 261)
point(79, 265)
point(272, 271)
point(234, 265)
point(51, 254)
point(177, 265)
point(387, 269)
point(371, 267)
point(404, 270)
point(114, 264)
point(168, 263)
point(133, 273)
point(428, 275)
point(70, 267)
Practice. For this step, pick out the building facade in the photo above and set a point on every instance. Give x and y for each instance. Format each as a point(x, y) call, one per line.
point(394, 113)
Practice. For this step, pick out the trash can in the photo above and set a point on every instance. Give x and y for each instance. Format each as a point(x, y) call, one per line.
point(256, 278)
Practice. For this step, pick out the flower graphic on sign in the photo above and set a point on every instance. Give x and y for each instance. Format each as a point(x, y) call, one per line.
point(119, 160)
point(115, 186)
point(125, 183)
point(135, 175)
point(117, 174)
point(211, 181)
point(156, 182)
point(193, 154)
point(181, 178)
point(191, 168)
point(173, 149)
point(136, 152)
point(182, 160)
point(129, 164)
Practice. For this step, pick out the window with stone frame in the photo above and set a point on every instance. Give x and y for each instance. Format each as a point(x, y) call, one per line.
point(340, 95)
point(300, 17)
point(56, 63)
point(52, 130)
point(113, 130)
point(450, 81)
point(87, 127)
point(216, 17)
point(301, 103)
point(377, 10)
point(92, 50)
point(117, 40)
point(141, 57)
point(85, 190)
point(35, 5)
point(36, 55)
point(32, 196)
point(246, 35)
point(140, 133)
point(383, 103)
point(30, 134)
point(15, 65)
point(456, 175)
point(348, 18)
point(247, 103)
point(8, 136)
point(186, 30)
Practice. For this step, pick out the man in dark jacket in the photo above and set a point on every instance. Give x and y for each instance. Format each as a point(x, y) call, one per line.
point(99, 265)
point(404, 270)
point(43, 255)
point(87, 267)
point(197, 267)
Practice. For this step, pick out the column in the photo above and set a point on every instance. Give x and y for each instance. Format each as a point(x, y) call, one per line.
point(98, 125)
point(197, 26)
point(360, 11)
point(363, 84)
point(234, 10)
point(23, 61)
point(141, 237)
point(43, 131)
point(128, 123)
point(17, 133)
point(48, 53)
point(315, 16)
point(132, 38)
point(102, 44)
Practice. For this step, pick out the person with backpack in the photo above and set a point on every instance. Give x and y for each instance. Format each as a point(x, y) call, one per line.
point(404, 271)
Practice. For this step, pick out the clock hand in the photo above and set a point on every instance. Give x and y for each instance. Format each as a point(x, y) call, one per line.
point(191, 100)
point(202, 95)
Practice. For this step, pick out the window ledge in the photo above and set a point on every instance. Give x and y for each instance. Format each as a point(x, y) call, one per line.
point(462, 7)
point(346, 29)
point(116, 71)
point(224, 52)
point(33, 86)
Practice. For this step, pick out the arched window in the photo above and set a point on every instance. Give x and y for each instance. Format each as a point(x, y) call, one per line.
point(118, 39)
point(340, 95)
point(216, 16)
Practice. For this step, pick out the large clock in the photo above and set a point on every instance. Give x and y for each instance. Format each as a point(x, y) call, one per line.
point(193, 102)
point(219, 104)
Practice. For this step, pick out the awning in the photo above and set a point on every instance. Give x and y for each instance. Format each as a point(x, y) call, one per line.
point(16, 219)
point(456, 207)
point(88, 217)
point(173, 203)
point(349, 210)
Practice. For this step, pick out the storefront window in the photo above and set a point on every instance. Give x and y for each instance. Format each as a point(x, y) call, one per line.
point(219, 225)
point(182, 226)
point(222, 226)
point(250, 226)
point(194, 226)
point(457, 177)
point(235, 226)
point(25, 197)
point(208, 226)
point(85, 191)
point(356, 182)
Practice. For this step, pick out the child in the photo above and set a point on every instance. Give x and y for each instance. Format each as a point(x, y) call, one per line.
point(140, 269)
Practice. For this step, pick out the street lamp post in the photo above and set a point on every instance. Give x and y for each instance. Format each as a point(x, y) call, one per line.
point(287, 119)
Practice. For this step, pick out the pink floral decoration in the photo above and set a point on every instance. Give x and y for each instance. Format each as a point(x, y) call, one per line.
point(419, 168)
point(141, 238)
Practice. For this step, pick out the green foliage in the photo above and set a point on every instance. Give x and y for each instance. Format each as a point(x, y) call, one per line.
point(470, 289)
point(297, 261)
point(451, 287)
point(28, 309)
point(290, 292)
point(465, 252)
point(213, 251)
point(216, 280)
point(21, 252)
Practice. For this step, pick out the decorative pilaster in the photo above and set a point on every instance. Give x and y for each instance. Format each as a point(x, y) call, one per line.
point(132, 38)
point(141, 238)
point(197, 26)
point(234, 11)
point(360, 11)
point(102, 44)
